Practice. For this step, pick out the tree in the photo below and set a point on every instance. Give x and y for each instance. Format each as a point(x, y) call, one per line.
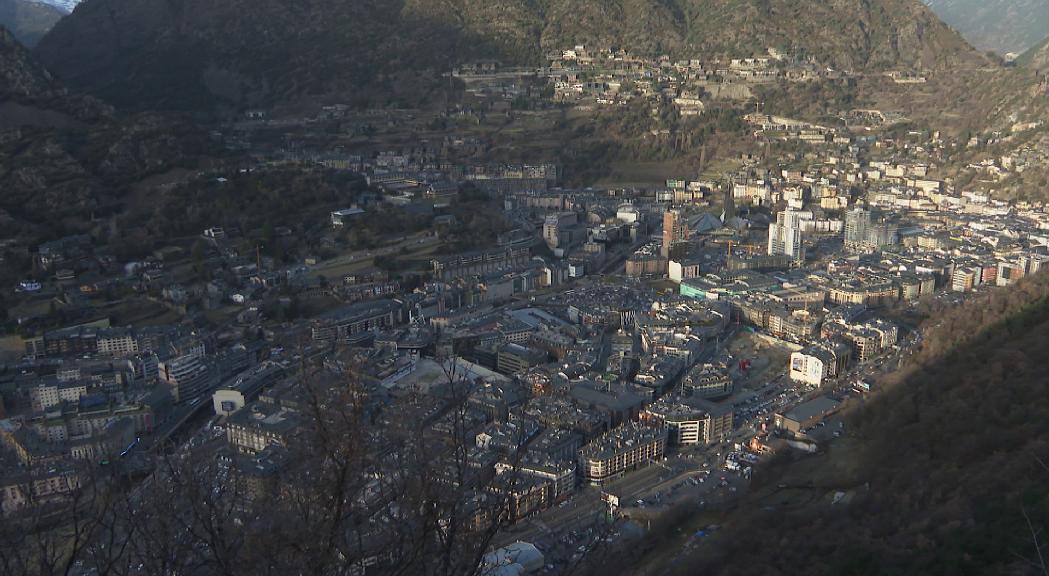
point(338, 497)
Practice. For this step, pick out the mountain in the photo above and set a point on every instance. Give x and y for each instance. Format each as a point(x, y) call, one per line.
point(1004, 26)
point(65, 157)
point(30, 95)
point(28, 20)
point(189, 54)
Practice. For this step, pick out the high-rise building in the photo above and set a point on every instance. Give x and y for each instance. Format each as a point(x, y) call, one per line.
point(864, 232)
point(785, 235)
point(857, 222)
point(675, 230)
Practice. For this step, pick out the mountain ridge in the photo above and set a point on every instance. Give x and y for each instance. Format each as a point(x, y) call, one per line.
point(64, 155)
point(190, 54)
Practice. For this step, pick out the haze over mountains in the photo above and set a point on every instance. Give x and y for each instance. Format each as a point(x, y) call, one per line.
point(199, 53)
point(28, 20)
point(1003, 26)
point(65, 6)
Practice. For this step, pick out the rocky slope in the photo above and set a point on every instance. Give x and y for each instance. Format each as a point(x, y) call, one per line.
point(1003, 26)
point(1037, 58)
point(193, 54)
point(28, 20)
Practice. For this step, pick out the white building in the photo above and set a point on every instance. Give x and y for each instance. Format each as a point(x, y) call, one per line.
point(808, 368)
point(627, 213)
point(47, 396)
point(785, 235)
point(816, 363)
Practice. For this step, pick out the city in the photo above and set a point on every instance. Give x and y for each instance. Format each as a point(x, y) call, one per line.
point(594, 311)
point(617, 351)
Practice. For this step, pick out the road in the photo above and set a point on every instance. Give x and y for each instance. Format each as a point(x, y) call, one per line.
point(619, 258)
point(668, 481)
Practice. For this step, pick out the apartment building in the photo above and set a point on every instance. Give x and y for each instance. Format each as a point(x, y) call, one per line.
point(624, 448)
point(689, 421)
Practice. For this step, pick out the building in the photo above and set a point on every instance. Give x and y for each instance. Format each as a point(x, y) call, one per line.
point(526, 496)
point(627, 213)
point(252, 431)
point(965, 279)
point(341, 217)
point(684, 269)
point(480, 262)
point(866, 340)
point(562, 230)
point(857, 222)
point(514, 358)
point(877, 292)
point(690, 421)
point(517, 558)
point(863, 233)
point(235, 395)
point(187, 376)
point(785, 236)
point(675, 230)
point(814, 364)
point(117, 342)
point(708, 381)
point(351, 322)
point(806, 415)
point(624, 448)
point(645, 264)
point(45, 396)
point(18, 489)
point(559, 474)
point(1009, 273)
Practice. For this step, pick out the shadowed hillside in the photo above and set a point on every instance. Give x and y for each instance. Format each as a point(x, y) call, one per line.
point(66, 157)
